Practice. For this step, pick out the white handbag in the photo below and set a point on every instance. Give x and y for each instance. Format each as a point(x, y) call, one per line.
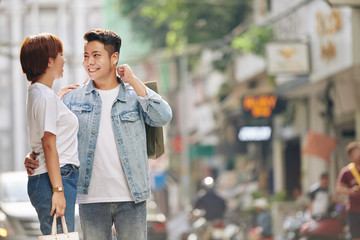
point(62, 236)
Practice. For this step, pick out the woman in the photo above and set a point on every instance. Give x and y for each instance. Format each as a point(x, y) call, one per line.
point(53, 133)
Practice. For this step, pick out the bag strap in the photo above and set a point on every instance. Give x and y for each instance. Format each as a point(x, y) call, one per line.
point(54, 228)
point(354, 172)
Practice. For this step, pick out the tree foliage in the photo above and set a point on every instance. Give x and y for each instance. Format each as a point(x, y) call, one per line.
point(253, 40)
point(172, 23)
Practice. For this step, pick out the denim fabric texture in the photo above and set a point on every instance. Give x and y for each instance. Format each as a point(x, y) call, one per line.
point(40, 194)
point(129, 114)
point(129, 219)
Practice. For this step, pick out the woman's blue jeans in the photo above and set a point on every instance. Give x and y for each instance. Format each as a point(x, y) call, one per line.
point(40, 194)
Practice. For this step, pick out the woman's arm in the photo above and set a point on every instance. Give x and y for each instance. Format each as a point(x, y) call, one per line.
point(53, 167)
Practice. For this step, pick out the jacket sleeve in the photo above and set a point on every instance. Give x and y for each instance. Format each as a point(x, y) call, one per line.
point(156, 110)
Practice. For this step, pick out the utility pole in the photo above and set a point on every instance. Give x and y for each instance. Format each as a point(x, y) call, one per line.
point(185, 160)
point(17, 88)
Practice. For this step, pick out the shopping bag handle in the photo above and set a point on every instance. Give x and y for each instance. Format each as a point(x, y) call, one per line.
point(63, 223)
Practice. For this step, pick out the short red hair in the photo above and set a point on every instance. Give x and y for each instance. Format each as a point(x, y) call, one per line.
point(35, 53)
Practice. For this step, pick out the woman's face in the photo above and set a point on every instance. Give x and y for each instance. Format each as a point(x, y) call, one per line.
point(58, 67)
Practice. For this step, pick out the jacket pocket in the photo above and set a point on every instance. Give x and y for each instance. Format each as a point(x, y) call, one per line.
point(84, 113)
point(130, 116)
point(81, 108)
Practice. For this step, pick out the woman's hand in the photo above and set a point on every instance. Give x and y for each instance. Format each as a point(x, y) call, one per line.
point(58, 204)
point(66, 89)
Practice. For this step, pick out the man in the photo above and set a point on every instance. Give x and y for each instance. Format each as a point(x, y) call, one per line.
point(114, 181)
point(263, 224)
point(319, 196)
point(347, 184)
point(208, 200)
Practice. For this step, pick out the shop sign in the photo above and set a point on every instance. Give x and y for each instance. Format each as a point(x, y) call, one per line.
point(332, 40)
point(287, 57)
point(353, 3)
point(254, 133)
point(260, 106)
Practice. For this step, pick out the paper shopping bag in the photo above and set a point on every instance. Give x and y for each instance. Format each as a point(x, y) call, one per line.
point(61, 236)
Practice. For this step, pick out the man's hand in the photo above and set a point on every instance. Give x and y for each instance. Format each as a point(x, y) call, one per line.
point(128, 76)
point(126, 73)
point(30, 163)
point(66, 89)
point(355, 190)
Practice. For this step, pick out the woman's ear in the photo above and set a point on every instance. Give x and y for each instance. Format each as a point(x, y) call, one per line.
point(50, 62)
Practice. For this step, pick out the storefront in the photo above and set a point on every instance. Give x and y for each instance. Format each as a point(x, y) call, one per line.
point(323, 100)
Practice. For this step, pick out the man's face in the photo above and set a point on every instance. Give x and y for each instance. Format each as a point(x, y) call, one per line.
point(324, 182)
point(97, 62)
point(354, 155)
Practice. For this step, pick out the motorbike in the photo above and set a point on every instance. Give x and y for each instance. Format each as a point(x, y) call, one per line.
point(201, 229)
point(328, 227)
point(292, 225)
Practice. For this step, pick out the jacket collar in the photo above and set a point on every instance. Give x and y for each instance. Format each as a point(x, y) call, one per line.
point(90, 87)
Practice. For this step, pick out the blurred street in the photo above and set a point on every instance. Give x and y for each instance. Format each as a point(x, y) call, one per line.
point(264, 95)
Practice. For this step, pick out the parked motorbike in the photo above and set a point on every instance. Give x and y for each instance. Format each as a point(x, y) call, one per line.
point(329, 227)
point(201, 229)
point(292, 225)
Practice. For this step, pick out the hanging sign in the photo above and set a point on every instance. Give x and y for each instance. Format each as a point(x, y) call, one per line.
point(260, 106)
point(287, 57)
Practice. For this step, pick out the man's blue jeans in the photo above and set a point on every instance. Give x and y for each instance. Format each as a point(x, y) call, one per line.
point(40, 194)
point(129, 220)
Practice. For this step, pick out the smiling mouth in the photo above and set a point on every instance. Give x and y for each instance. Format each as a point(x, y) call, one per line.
point(92, 70)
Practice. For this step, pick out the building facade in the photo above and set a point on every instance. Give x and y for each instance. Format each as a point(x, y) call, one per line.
point(19, 18)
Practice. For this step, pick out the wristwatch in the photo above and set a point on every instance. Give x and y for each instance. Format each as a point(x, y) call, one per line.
point(58, 189)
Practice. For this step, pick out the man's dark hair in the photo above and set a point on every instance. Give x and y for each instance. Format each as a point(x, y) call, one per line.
point(111, 41)
point(324, 175)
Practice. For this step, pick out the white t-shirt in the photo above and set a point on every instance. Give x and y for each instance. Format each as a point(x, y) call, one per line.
point(108, 182)
point(320, 199)
point(47, 113)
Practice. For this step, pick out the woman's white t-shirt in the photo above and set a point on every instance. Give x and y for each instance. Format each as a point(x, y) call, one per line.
point(47, 113)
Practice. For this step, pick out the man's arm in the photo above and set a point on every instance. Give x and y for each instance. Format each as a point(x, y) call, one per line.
point(157, 111)
point(128, 76)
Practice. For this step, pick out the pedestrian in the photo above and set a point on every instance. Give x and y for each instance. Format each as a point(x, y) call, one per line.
point(209, 201)
point(112, 111)
point(263, 224)
point(319, 196)
point(53, 133)
point(347, 183)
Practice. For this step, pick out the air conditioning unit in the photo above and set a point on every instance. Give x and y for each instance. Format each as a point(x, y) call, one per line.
point(352, 3)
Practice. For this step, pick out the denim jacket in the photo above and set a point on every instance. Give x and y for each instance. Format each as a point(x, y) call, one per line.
point(129, 114)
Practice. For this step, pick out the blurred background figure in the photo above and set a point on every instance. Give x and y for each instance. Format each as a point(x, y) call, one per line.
point(348, 184)
point(263, 226)
point(209, 201)
point(319, 196)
